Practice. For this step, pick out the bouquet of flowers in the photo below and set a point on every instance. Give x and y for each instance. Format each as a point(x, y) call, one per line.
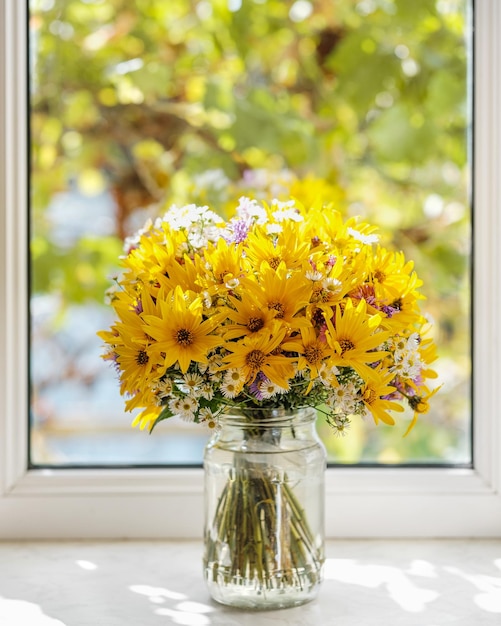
point(280, 306)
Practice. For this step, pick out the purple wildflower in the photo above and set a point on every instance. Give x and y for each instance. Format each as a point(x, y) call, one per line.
point(254, 387)
point(240, 230)
point(388, 310)
point(139, 307)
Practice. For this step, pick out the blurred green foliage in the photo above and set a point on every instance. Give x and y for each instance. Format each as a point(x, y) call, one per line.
point(144, 98)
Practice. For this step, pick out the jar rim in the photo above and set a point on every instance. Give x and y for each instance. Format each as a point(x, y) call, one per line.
point(267, 416)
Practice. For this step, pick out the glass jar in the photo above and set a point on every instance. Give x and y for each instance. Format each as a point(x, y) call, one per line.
point(264, 509)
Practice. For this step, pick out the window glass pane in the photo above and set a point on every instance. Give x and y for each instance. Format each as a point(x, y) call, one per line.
point(135, 106)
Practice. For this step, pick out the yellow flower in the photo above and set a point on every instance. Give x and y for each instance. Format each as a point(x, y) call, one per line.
point(354, 337)
point(326, 227)
point(147, 417)
point(258, 354)
point(130, 346)
point(247, 316)
point(278, 290)
point(373, 393)
point(180, 332)
point(221, 264)
point(420, 404)
point(311, 350)
point(159, 261)
point(288, 247)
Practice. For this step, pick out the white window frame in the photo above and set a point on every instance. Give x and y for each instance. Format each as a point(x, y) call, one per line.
point(167, 503)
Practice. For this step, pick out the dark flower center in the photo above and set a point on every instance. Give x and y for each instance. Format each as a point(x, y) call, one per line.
point(274, 262)
point(142, 358)
point(370, 396)
point(255, 359)
point(346, 345)
point(255, 323)
point(184, 337)
point(313, 354)
point(279, 307)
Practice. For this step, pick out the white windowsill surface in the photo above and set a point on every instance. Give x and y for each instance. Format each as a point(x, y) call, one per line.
point(143, 583)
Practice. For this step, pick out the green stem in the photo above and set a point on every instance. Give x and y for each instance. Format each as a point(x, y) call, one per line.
point(265, 530)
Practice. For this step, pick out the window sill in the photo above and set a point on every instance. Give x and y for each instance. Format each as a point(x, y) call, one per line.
point(366, 582)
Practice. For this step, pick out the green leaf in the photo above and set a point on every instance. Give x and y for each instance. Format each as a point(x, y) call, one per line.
point(165, 414)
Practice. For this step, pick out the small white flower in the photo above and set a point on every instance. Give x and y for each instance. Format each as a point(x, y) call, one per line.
point(232, 283)
point(268, 389)
point(187, 408)
point(174, 405)
point(341, 425)
point(342, 399)
point(363, 238)
point(313, 275)
point(327, 375)
point(236, 376)
point(163, 388)
point(333, 285)
point(273, 229)
point(412, 366)
point(206, 391)
point(191, 384)
point(230, 389)
point(283, 205)
point(287, 214)
point(250, 208)
point(207, 417)
point(214, 362)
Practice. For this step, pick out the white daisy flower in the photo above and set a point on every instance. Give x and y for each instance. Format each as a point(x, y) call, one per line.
point(268, 389)
point(207, 417)
point(342, 399)
point(174, 405)
point(230, 389)
point(214, 362)
point(327, 375)
point(236, 376)
point(191, 383)
point(163, 388)
point(341, 425)
point(332, 284)
point(249, 208)
point(273, 229)
point(313, 275)
point(187, 407)
point(232, 283)
point(368, 239)
point(206, 391)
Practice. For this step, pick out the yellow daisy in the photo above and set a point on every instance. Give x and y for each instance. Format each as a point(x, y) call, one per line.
point(278, 290)
point(390, 274)
point(180, 332)
point(158, 260)
point(311, 350)
point(258, 354)
point(285, 247)
point(354, 337)
point(373, 397)
point(420, 404)
point(248, 318)
point(222, 263)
